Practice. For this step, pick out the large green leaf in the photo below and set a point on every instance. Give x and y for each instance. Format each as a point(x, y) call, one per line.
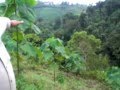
point(53, 42)
point(9, 42)
point(10, 10)
point(48, 54)
point(53, 48)
point(26, 13)
point(18, 36)
point(39, 52)
point(44, 46)
point(29, 49)
point(36, 29)
point(60, 50)
point(25, 26)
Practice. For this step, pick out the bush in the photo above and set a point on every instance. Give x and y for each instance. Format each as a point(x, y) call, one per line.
point(97, 62)
point(53, 50)
point(96, 74)
point(87, 46)
point(113, 78)
point(74, 63)
point(60, 78)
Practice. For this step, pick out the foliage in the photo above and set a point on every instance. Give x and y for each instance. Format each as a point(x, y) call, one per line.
point(74, 63)
point(82, 21)
point(27, 48)
point(2, 8)
point(34, 39)
point(56, 11)
point(18, 38)
point(61, 78)
point(42, 79)
point(53, 50)
point(68, 25)
point(87, 46)
point(103, 22)
point(113, 77)
point(84, 54)
point(84, 43)
point(9, 42)
point(112, 47)
point(95, 74)
point(22, 9)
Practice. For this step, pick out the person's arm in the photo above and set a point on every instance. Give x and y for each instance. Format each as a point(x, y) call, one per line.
point(7, 23)
point(15, 22)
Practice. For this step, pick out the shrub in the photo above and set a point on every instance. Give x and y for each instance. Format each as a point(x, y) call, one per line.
point(87, 45)
point(60, 78)
point(53, 50)
point(96, 74)
point(113, 78)
point(74, 63)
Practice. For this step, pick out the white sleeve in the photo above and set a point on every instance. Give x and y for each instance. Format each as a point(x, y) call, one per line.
point(4, 24)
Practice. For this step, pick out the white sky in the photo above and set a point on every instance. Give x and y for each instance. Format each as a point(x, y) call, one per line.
point(2, 1)
point(87, 2)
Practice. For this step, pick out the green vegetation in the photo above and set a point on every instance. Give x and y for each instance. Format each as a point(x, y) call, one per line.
point(52, 12)
point(87, 46)
point(39, 78)
point(70, 50)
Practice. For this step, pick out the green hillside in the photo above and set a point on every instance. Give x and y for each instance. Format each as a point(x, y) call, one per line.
point(48, 13)
point(51, 13)
point(67, 47)
point(38, 78)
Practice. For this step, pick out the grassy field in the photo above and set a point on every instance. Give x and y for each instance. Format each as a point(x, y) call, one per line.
point(36, 77)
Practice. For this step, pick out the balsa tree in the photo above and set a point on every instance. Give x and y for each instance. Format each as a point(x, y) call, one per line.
point(19, 10)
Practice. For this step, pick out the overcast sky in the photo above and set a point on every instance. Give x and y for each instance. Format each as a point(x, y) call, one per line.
point(2, 0)
point(87, 2)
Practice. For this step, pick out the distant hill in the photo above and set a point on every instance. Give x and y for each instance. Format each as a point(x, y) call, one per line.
point(50, 12)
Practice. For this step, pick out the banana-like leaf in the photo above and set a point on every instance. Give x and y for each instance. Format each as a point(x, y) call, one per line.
point(36, 29)
point(48, 54)
point(28, 49)
point(26, 13)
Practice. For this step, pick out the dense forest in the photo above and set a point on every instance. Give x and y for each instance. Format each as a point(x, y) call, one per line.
point(65, 46)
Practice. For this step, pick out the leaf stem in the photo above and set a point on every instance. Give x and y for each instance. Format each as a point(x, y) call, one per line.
point(18, 65)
